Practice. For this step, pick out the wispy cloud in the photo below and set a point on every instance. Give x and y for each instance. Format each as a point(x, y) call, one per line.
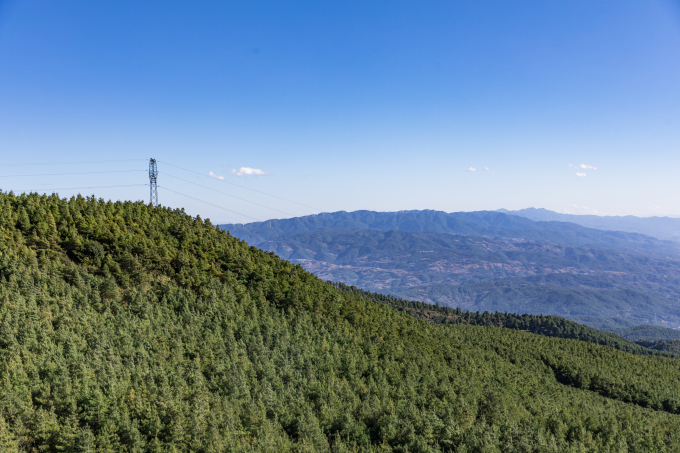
point(489, 170)
point(581, 175)
point(249, 171)
point(472, 169)
point(575, 209)
point(583, 167)
point(216, 176)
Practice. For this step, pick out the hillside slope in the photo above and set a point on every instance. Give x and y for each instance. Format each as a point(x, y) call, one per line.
point(551, 326)
point(596, 307)
point(648, 333)
point(130, 328)
point(664, 346)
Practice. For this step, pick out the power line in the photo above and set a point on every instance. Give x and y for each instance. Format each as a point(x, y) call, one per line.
point(81, 173)
point(137, 185)
point(211, 204)
point(96, 187)
point(243, 187)
point(45, 190)
point(73, 163)
point(229, 195)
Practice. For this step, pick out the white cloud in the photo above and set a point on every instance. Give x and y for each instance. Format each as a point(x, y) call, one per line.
point(472, 169)
point(581, 175)
point(489, 170)
point(575, 209)
point(583, 167)
point(249, 171)
point(220, 177)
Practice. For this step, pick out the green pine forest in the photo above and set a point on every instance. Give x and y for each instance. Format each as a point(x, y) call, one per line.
point(552, 326)
point(648, 332)
point(125, 327)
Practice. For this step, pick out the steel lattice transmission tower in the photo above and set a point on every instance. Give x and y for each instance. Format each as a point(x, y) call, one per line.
point(153, 182)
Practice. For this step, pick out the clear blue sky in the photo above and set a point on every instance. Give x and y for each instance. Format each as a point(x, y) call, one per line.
point(348, 105)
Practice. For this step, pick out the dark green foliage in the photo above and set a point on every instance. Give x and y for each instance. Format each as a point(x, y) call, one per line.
point(672, 346)
point(551, 326)
point(604, 324)
point(130, 328)
point(648, 332)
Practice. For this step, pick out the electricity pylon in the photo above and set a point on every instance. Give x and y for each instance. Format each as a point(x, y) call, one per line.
point(153, 183)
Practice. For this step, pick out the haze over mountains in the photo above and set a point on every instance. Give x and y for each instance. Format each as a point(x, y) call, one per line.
point(487, 261)
point(658, 227)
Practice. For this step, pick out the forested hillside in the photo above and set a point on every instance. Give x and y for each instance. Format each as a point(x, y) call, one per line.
point(648, 332)
point(603, 308)
point(551, 326)
point(130, 328)
point(486, 261)
point(667, 346)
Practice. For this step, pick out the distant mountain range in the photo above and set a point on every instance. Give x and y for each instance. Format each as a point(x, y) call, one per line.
point(658, 227)
point(487, 260)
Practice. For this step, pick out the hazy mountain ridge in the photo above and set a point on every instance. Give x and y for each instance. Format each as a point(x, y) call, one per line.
point(481, 223)
point(659, 227)
point(464, 259)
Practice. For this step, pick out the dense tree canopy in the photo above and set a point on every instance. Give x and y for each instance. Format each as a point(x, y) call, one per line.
point(125, 327)
point(648, 332)
point(551, 326)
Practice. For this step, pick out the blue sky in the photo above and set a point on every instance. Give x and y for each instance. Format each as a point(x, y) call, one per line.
point(346, 105)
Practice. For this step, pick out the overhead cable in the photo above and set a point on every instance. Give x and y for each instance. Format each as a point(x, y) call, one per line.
point(74, 163)
point(47, 189)
point(75, 173)
point(242, 187)
point(229, 195)
point(211, 204)
point(98, 187)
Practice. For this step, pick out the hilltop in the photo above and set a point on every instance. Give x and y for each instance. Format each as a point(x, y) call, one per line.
point(125, 327)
